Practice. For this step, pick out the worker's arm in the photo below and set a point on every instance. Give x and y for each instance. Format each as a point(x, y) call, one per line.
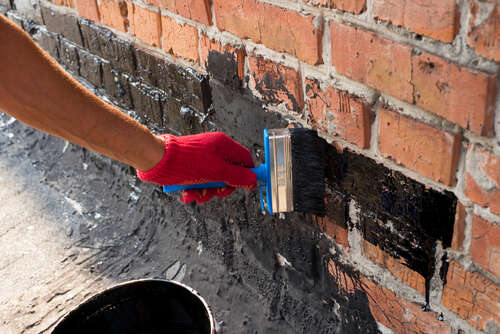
point(37, 91)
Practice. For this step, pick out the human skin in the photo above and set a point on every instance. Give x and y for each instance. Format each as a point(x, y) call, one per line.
point(35, 90)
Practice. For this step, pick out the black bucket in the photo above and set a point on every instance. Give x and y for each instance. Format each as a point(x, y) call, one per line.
point(149, 306)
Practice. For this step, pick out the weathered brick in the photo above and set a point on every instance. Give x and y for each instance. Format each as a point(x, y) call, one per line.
point(431, 152)
point(353, 6)
point(147, 67)
point(180, 39)
point(67, 3)
point(197, 10)
point(339, 113)
point(49, 42)
point(457, 242)
point(435, 19)
point(116, 85)
point(88, 9)
point(485, 245)
point(5, 4)
point(147, 102)
point(28, 9)
point(223, 62)
point(473, 297)
point(277, 28)
point(397, 266)
point(108, 46)
point(68, 57)
point(484, 33)
point(90, 67)
point(461, 95)
point(114, 14)
point(64, 24)
point(386, 307)
point(373, 60)
point(145, 24)
point(334, 223)
point(482, 181)
point(276, 83)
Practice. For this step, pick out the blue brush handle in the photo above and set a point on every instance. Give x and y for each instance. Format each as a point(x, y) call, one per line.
point(260, 172)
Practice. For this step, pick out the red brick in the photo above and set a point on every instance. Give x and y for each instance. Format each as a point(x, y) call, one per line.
point(114, 14)
point(373, 60)
point(275, 83)
point(67, 3)
point(238, 54)
point(482, 181)
point(180, 40)
point(431, 152)
point(88, 9)
point(457, 241)
point(353, 6)
point(484, 33)
point(277, 28)
point(197, 10)
point(461, 95)
point(397, 267)
point(473, 297)
point(336, 232)
point(435, 19)
point(145, 24)
point(339, 113)
point(386, 307)
point(485, 245)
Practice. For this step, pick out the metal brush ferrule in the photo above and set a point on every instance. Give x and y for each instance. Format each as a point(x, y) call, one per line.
point(280, 156)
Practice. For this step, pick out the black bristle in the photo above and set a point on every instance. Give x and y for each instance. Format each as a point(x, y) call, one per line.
point(308, 172)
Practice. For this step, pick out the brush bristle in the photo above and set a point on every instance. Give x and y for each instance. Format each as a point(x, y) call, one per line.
point(308, 171)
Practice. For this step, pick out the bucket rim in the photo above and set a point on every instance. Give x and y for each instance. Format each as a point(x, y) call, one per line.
point(213, 324)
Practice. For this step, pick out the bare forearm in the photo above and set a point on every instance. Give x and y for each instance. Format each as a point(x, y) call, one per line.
point(36, 91)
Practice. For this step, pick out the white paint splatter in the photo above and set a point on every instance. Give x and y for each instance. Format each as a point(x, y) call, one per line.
point(66, 145)
point(199, 248)
point(77, 206)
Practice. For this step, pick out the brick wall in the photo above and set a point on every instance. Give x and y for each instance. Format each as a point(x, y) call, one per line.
point(404, 93)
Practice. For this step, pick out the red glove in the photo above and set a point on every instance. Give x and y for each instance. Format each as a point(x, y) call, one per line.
point(206, 157)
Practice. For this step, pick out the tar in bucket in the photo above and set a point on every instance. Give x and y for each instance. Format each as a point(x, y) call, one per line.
point(150, 306)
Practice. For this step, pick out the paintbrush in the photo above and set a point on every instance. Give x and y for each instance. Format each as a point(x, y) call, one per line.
point(292, 177)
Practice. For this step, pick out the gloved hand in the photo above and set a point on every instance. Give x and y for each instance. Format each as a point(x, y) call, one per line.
point(206, 157)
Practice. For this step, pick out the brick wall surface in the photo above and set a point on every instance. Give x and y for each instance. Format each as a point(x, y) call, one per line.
point(404, 92)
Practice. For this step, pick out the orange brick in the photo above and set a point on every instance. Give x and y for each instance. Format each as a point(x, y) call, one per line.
point(334, 223)
point(180, 40)
point(275, 83)
point(431, 152)
point(435, 19)
point(88, 9)
point(353, 6)
point(373, 60)
point(145, 24)
point(473, 297)
point(197, 10)
point(463, 96)
point(237, 54)
point(277, 28)
point(457, 241)
point(386, 307)
point(114, 14)
point(484, 33)
point(485, 245)
point(482, 181)
point(397, 267)
point(67, 3)
point(339, 113)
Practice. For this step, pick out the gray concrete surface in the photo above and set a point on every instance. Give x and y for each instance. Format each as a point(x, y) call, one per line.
point(73, 223)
